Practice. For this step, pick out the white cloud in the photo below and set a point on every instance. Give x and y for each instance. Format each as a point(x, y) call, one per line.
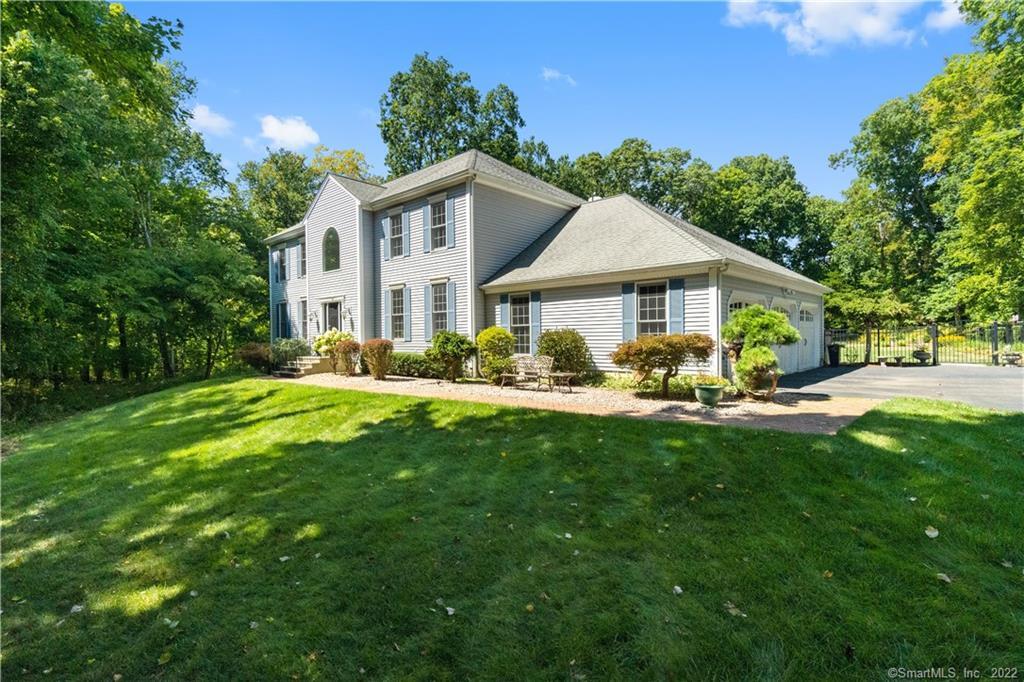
point(813, 27)
point(946, 18)
point(248, 142)
point(206, 120)
point(291, 132)
point(549, 74)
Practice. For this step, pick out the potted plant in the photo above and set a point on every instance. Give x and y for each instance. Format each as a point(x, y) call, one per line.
point(709, 389)
point(920, 354)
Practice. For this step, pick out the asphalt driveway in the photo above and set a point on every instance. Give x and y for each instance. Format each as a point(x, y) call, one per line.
point(998, 388)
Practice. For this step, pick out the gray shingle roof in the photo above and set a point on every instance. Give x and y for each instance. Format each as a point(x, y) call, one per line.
point(363, 190)
point(293, 231)
point(480, 163)
point(619, 234)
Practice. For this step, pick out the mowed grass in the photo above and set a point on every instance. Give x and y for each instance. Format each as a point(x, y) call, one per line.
point(168, 519)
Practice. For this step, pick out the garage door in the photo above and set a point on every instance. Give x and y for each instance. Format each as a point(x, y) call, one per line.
point(788, 355)
point(809, 346)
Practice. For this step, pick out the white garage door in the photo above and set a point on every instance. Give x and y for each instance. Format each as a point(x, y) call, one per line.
point(810, 342)
point(788, 355)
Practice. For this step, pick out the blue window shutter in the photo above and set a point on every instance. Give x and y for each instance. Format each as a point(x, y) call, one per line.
point(628, 311)
point(534, 320)
point(451, 305)
point(503, 311)
point(428, 322)
point(387, 313)
point(385, 228)
point(405, 234)
point(675, 306)
point(449, 215)
point(407, 317)
point(426, 228)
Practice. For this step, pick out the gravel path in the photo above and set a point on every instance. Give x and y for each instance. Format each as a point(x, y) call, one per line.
point(798, 412)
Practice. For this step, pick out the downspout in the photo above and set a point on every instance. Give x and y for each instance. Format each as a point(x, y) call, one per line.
point(270, 292)
point(716, 322)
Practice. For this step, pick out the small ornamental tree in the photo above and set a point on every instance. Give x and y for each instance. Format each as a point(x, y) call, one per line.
point(451, 350)
point(756, 326)
point(568, 348)
point(758, 370)
point(327, 345)
point(666, 353)
point(751, 331)
point(347, 353)
point(377, 353)
point(496, 346)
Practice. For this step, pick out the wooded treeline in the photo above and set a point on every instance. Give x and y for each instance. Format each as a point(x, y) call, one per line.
point(128, 253)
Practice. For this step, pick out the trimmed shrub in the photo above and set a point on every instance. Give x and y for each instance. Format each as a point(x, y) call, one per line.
point(256, 355)
point(568, 348)
point(415, 365)
point(708, 380)
point(347, 352)
point(666, 353)
point(327, 345)
point(758, 370)
point(756, 326)
point(496, 346)
point(377, 354)
point(451, 350)
point(284, 351)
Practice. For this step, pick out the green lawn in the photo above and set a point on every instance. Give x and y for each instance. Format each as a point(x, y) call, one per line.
point(168, 517)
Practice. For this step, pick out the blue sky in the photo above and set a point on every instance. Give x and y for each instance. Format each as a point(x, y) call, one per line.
point(719, 79)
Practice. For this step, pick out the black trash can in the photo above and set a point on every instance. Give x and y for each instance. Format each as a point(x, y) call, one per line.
point(833, 354)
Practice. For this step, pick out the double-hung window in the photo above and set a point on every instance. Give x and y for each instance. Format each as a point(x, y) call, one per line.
point(652, 311)
point(304, 317)
point(519, 321)
point(395, 234)
point(302, 259)
point(398, 313)
point(806, 315)
point(439, 306)
point(737, 306)
point(438, 226)
point(282, 265)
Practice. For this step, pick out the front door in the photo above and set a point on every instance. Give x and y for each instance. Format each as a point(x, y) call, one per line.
point(809, 354)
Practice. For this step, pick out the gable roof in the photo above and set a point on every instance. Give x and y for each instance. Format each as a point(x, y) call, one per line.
point(473, 161)
point(293, 231)
point(621, 234)
point(363, 190)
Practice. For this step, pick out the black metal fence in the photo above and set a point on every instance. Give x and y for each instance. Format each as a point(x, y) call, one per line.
point(997, 343)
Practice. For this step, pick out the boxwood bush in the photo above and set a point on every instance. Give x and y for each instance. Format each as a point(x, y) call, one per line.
point(496, 346)
point(414, 365)
point(568, 348)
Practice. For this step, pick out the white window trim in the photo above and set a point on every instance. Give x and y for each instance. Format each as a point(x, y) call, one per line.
point(443, 283)
point(277, 323)
point(397, 210)
point(434, 201)
point(439, 280)
point(636, 303)
point(304, 259)
point(529, 313)
point(405, 313)
point(437, 198)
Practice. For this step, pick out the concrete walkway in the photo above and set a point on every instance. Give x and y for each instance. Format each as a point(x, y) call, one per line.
point(997, 388)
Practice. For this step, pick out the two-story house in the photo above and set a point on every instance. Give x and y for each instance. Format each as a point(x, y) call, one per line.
point(472, 242)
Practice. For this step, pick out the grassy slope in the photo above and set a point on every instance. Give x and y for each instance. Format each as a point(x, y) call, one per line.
point(127, 509)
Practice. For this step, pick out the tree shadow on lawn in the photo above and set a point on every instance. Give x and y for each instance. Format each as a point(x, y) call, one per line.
point(383, 505)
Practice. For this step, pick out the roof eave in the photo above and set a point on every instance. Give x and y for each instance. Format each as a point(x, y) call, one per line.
point(603, 277)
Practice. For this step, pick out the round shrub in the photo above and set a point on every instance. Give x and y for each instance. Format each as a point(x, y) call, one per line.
point(377, 354)
point(284, 351)
point(347, 352)
point(568, 348)
point(451, 350)
point(496, 346)
point(758, 370)
point(256, 355)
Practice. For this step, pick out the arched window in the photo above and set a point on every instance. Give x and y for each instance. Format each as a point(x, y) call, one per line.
point(332, 250)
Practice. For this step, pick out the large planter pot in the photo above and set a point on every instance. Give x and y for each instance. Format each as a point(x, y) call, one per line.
point(709, 395)
point(922, 356)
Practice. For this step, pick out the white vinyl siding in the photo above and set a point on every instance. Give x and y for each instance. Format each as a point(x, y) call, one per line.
point(334, 209)
point(419, 269)
point(519, 321)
